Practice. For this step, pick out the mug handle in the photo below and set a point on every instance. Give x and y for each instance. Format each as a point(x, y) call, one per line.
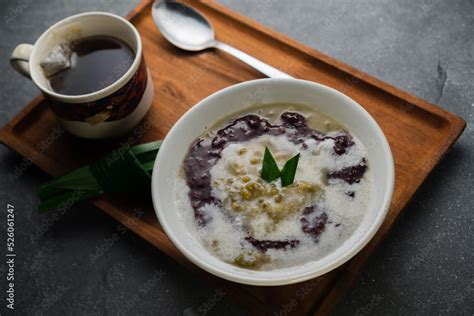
point(20, 58)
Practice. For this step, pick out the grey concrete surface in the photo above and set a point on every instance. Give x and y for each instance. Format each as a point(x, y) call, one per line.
point(424, 267)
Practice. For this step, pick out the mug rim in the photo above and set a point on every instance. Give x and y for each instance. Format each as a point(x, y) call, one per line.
point(96, 95)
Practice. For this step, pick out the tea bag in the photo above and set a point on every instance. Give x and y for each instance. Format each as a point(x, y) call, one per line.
point(59, 58)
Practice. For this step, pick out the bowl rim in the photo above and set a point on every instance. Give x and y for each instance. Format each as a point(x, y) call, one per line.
point(288, 279)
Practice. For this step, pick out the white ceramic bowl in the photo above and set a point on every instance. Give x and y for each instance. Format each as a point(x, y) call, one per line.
point(238, 97)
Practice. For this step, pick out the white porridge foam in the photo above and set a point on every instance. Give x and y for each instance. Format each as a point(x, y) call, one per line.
point(225, 235)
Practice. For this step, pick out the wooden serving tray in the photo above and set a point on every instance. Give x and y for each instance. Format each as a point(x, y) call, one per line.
point(419, 134)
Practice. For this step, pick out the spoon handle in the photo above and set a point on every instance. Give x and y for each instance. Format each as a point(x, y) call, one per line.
point(251, 61)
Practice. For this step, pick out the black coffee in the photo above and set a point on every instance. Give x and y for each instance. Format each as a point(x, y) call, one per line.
point(96, 62)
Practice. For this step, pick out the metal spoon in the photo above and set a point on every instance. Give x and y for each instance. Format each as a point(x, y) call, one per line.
point(188, 29)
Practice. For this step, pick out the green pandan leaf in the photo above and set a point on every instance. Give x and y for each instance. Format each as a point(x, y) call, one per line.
point(289, 171)
point(124, 170)
point(270, 170)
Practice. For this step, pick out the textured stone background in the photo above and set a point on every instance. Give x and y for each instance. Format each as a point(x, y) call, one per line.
point(425, 265)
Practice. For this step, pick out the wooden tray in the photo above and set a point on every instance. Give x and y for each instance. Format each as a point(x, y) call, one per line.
point(419, 134)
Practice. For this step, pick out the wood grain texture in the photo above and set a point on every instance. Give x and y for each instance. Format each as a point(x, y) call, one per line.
point(419, 134)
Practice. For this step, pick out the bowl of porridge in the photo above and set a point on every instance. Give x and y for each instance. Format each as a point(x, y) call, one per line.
point(273, 181)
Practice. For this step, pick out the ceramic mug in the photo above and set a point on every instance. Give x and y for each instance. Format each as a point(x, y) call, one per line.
point(109, 112)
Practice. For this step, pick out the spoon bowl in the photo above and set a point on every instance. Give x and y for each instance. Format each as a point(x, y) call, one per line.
point(183, 26)
point(188, 29)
